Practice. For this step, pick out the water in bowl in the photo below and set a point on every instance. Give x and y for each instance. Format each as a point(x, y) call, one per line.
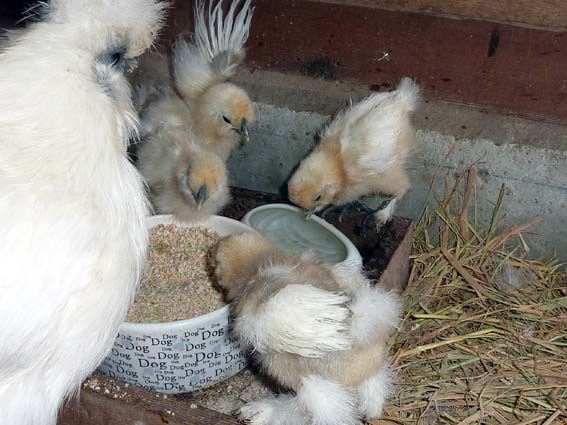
point(289, 231)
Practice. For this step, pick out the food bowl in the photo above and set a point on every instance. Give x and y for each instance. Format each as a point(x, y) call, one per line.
point(289, 230)
point(181, 356)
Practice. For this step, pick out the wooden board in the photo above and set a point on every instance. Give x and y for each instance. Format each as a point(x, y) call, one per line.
point(547, 14)
point(496, 66)
point(133, 405)
point(501, 67)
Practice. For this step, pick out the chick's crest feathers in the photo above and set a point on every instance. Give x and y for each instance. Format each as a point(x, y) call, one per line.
point(298, 319)
point(217, 48)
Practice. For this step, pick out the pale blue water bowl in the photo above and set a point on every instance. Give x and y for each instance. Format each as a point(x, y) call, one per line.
point(288, 229)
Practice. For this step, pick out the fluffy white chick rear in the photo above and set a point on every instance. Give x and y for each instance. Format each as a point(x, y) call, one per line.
point(363, 151)
point(185, 179)
point(316, 328)
point(72, 207)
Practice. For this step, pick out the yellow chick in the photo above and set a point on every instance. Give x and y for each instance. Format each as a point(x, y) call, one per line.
point(363, 151)
point(218, 112)
point(184, 178)
point(318, 329)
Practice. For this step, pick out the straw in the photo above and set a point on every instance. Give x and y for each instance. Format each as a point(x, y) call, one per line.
point(475, 347)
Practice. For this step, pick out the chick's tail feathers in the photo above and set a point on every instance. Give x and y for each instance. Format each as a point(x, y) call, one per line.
point(298, 319)
point(375, 314)
point(408, 94)
point(217, 48)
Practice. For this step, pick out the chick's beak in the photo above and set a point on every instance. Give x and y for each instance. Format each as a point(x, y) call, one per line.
point(201, 196)
point(308, 213)
point(243, 131)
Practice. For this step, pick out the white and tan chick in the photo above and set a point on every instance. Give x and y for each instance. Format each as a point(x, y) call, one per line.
point(364, 151)
point(318, 329)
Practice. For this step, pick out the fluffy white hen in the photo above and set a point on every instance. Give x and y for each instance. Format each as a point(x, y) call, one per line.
point(72, 207)
point(319, 329)
point(363, 151)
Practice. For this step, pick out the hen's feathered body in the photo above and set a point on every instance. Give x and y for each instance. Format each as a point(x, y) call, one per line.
point(318, 329)
point(363, 151)
point(72, 207)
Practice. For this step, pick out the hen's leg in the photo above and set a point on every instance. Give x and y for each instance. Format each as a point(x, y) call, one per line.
point(386, 210)
point(375, 213)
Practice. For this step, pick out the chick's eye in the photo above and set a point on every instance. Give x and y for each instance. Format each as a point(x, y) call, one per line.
point(226, 120)
point(318, 197)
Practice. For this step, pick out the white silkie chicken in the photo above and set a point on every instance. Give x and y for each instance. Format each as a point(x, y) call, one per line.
point(363, 151)
point(200, 98)
point(72, 207)
point(318, 329)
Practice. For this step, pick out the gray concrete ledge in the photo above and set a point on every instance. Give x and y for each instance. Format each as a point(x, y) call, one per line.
point(301, 94)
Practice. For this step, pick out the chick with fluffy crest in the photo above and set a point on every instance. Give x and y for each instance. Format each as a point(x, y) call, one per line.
point(319, 329)
point(72, 206)
point(221, 112)
point(363, 151)
point(184, 178)
point(218, 112)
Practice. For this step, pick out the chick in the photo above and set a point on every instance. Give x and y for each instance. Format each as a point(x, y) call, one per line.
point(363, 151)
point(185, 179)
point(72, 206)
point(221, 111)
point(317, 329)
point(218, 112)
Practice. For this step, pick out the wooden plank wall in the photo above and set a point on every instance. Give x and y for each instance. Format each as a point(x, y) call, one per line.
point(515, 69)
point(546, 14)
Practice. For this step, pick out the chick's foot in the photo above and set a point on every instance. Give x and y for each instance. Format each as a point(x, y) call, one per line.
point(374, 392)
point(343, 209)
point(280, 410)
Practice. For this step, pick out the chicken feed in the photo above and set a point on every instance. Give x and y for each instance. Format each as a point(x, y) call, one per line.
point(176, 284)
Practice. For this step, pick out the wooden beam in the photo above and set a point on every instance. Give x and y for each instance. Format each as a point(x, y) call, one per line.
point(491, 65)
point(112, 403)
point(546, 14)
point(497, 66)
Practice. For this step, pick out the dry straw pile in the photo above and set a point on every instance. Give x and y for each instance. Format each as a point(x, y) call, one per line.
point(484, 339)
